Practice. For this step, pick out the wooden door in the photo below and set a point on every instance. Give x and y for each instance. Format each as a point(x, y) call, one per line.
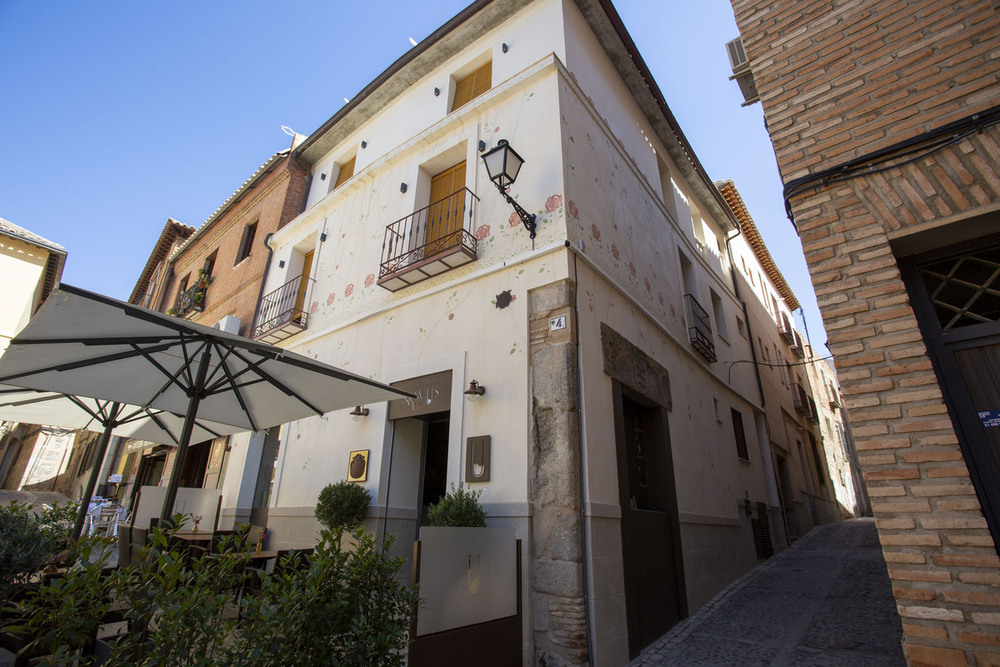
point(655, 598)
point(445, 214)
point(955, 293)
point(300, 296)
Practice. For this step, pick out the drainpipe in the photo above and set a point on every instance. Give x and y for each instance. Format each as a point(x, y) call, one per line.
point(267, 268)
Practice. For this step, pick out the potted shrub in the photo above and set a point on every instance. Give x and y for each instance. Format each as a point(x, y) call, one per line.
point(342, 506)
point(459, 508)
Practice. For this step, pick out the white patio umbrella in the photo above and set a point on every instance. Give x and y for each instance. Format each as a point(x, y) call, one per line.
point(107, 417)
point(84, 344)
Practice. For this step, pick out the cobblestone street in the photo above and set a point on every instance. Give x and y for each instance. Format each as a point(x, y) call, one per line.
point(825, 601)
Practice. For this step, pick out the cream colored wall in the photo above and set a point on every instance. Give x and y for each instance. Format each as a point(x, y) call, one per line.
point(451, 322)
point(22, 269)
point(531, 37)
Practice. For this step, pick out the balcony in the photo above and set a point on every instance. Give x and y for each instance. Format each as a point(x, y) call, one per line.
point(798, 348)
point(699, 328)
point(785, 329)
point(427, 243)
point(813, 415)
point(281, 313)
point(803, 402)
point(191, 300)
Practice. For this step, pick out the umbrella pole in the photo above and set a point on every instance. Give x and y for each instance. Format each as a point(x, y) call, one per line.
point(102, 449)
point(182, 446)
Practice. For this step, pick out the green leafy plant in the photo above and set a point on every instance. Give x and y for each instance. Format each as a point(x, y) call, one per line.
point(30, 540)
point(338, 607)
point(342, 506)
point(333, 606)
point(459, 508)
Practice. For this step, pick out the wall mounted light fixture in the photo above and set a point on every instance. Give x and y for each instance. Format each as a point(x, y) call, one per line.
point(482, 145)
point(322, 236)
point(364, 144)
point(358, 412)
point(474, 391)
point(402, 187)
point(437, 91)
point(502, 165)
point(503, 47)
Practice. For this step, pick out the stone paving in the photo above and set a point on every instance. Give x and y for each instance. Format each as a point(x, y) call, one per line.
point(825, 601)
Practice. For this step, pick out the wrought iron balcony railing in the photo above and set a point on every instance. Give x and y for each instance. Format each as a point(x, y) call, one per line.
point(802, 401)
point(281, 313)
point(190, 300)
point(699, 328)
point(428, 242)
point(785, 329)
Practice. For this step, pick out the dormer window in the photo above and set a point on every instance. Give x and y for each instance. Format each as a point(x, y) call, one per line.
point(472, 85)
point(346, 171)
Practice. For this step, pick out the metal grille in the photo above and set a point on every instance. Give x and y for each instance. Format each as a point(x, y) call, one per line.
point(964, 290)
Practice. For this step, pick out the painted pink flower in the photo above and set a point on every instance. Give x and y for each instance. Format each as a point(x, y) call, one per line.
point(349, 290)
point(314, 307)
point(631, 269)
point(330, 299)
point(369, 280)
point(514, 220)
point(553, 202)
point(614, 251)
point(483, 232)
point(451, 316)
point(646, 281)
point(574, 212)
point(595, 232)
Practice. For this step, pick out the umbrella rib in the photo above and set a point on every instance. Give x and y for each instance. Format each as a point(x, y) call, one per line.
point(94, 342)
point(212, 384)
point(158, 422)
point(236, 389)
point(83, 363)
point(277, 383)
point(171, 377)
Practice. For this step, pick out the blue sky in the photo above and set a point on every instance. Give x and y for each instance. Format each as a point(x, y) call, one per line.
point(118, 115)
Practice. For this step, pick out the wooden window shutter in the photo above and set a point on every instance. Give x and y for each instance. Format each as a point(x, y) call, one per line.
point(246, 243)
point(473, 85)
point(346, 171)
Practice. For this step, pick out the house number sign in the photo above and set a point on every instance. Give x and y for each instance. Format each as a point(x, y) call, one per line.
point(557, 323)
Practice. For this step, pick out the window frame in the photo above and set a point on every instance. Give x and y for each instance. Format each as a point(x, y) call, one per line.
point(245, 248)
point(739, 432)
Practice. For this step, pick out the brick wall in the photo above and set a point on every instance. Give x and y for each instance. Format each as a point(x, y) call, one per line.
point(277, 198)
point(837, 81)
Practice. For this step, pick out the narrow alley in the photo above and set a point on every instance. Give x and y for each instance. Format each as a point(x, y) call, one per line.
point(824, 601)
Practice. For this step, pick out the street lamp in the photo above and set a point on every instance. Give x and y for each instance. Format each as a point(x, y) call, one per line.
point(502, 165)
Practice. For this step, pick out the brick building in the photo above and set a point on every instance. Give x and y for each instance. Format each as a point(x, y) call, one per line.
point(213, 275)
point(884, 125)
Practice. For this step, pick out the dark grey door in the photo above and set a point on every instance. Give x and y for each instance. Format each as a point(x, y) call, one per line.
point(655, 598)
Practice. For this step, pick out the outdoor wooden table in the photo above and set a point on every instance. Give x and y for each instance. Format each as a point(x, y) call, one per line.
point(193, 537)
